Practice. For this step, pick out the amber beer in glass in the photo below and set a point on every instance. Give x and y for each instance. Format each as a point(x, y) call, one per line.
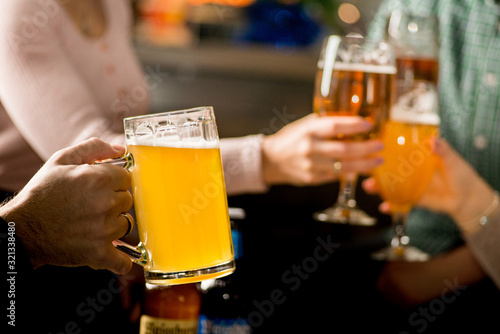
point(408, 159)
point(413, 122)
point(408, 163)
point(179, 196)
point(353, 78)
point(356, 90)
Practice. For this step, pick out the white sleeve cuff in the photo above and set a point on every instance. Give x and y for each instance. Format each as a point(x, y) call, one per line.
point(242, 162)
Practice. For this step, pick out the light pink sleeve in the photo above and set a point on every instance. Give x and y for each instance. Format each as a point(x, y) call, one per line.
point(242, 161)
point(41, 105)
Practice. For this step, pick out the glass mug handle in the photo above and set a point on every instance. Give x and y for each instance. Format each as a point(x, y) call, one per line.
point(136, 253)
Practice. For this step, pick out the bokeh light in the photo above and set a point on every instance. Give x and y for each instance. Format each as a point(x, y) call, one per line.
point(348, 13)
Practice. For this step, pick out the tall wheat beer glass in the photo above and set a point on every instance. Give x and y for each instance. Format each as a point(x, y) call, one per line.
point(353, 79)
point(409, 162)
point(179, 197)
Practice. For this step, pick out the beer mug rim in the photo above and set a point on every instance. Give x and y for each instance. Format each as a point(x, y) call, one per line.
point(171, 113)
point(194, 127)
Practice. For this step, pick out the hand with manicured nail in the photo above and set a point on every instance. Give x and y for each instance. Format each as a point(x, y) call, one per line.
point(303, 152)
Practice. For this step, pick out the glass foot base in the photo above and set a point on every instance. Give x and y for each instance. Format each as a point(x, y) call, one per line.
point(406, 254)
point(191, 276)
point(345, 215)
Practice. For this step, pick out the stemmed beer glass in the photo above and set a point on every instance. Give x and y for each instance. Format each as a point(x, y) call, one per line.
point(414, 121)
point(353, 79)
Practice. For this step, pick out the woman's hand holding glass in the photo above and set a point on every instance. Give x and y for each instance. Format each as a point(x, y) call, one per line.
point(303, 153)
point(455, 189)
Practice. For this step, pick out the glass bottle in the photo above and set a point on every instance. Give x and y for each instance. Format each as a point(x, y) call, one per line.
point(225, 305)
point(171, 308)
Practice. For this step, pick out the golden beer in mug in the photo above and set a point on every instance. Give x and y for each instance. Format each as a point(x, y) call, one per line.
point(179, 197)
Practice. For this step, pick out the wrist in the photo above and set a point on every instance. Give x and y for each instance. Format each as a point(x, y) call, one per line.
point(476, 214)
point(12, 213)
point(267, 170)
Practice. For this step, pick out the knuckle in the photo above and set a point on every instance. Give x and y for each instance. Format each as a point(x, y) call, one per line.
point(343, 149)
point(59, 155)
point(309, 179)
point(336, 128)
point(91, 178)
point(308, 167)
point(305, 148)
point(92, 142)
point(101, 207)
point(128, 200)
point(99, 231)
point(98, 254)
point(101, 179)
point(125, 266)
point(127, 178)
point(111, 203)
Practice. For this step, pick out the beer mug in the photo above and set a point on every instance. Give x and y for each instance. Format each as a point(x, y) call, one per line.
point(179, 197)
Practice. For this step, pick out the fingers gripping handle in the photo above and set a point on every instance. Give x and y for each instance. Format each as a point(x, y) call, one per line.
point(126, 161)
point(136, 253)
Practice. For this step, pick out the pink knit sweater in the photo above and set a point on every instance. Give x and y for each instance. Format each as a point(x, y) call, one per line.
point(58, 87)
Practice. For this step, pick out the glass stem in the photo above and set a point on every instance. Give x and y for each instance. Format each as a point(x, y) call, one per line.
point(400, 239)
point(347, 191)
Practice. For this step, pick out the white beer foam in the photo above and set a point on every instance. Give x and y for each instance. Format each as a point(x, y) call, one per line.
point(173, 141)
point(368, 68)
point(412, 118)
point(418, 106)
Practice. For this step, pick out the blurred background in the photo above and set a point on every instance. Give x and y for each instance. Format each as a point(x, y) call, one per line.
point(250, 59)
